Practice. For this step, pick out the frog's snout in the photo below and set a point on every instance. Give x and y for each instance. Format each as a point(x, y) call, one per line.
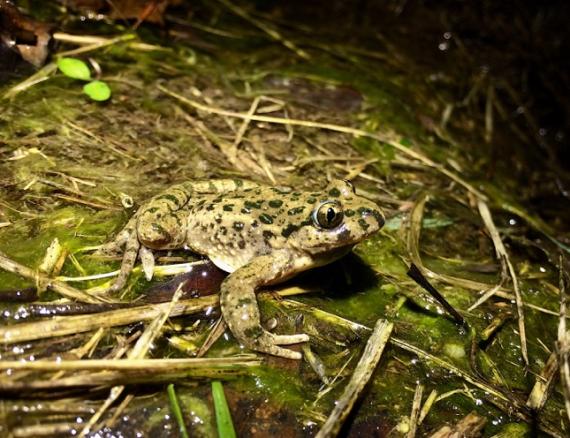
point(372, 217)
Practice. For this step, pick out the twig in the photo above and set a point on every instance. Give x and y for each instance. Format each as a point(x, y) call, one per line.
point(117, 372)
point(125, 365)
point(503, 257)
point(415, 410)
point(563, 342)
point(469, 427)
point(543, 385)
point(66, 325)
point(427, 405)
point(58, 286)
point(139, 351)
point(360, 377)
point(215, 333)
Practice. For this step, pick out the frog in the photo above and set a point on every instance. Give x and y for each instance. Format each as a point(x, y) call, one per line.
point(260, 234)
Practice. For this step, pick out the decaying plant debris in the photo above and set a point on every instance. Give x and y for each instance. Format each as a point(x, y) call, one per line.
point(75, 170)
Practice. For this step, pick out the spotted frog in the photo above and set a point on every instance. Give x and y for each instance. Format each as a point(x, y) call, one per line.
point(261, 235)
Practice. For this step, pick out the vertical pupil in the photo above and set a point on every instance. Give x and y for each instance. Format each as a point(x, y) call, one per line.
point(330, 215)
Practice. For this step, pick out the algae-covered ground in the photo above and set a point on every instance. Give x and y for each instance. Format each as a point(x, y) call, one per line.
point(471, 195)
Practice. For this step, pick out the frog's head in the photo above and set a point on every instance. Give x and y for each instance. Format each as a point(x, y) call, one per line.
point(339, 219)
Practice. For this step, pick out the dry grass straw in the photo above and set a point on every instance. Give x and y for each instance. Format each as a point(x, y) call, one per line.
point(110, 372)
point(330, 127)
point(67, 325)
point(507, 266)
point(508, 403)
point(413, 244)
point(470, 426)
point(139, 351)
point(35, 275)
point(544, 384)
point(360, 377)
point(414, 416)
point(563, 342)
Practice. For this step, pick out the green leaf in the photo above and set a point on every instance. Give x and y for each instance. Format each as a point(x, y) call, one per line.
point(97, 90)
point(74, 68)
point(177, 411)
point(223, 416)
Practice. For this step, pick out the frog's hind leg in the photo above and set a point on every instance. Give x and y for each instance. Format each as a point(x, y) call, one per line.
point(132, 247)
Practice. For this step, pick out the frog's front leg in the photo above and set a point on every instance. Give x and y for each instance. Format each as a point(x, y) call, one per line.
point(241, 312)
point(159, 224)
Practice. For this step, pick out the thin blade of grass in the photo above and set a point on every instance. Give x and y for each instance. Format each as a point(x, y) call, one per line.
point(223, 416)
point(176, 410)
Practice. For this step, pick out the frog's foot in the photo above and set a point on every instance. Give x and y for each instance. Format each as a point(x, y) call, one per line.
point(129, 258)
point(269, 343)
point(115, 247)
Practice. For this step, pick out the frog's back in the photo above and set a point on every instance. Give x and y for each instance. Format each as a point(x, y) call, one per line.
point(232, 228)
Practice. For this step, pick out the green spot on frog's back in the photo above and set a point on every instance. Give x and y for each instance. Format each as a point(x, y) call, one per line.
point(244, 301)
point(170, 198)
point(229, 207)
point(296, 210)
point(253, 204)
point(275, 203)
point(334, 192)
point(266, 219)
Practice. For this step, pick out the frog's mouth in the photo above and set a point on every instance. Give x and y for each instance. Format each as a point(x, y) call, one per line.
point(324, 258)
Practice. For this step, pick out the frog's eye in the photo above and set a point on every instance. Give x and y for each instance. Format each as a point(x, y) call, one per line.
point(327, 215)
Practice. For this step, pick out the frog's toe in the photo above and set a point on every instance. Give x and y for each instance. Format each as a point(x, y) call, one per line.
point(269, 343)
point(281, 352)
point(147, 259)
point(109, 249)
point(290, 339)
point(127, 265)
